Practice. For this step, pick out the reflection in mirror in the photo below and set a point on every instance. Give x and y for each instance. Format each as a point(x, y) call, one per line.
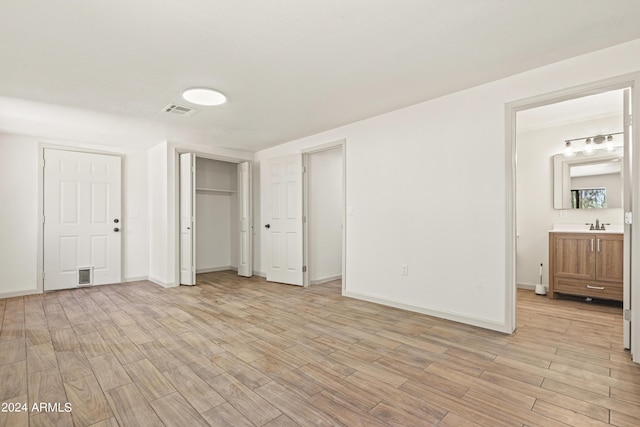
point(588, 182)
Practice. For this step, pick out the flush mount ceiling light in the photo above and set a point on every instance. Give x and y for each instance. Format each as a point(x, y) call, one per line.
point(204, 96)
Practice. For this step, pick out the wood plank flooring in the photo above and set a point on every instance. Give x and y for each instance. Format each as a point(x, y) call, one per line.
point(244, 352)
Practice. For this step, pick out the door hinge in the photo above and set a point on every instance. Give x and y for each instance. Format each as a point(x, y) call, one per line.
point(628, 217)
point(627, 314)
point(628, 120)
point(304, 268)
point(304, 169)
point(43, 275)
point(43, 162)
point(43, 219)
point(304, 218)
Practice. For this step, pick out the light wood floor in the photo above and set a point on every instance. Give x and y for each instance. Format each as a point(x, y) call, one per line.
point(251, 353)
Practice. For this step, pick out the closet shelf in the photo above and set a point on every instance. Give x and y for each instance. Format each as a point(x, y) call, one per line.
point(214, 190)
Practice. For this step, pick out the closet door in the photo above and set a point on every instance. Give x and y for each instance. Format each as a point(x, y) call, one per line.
point(245, 238)
point(187, 219)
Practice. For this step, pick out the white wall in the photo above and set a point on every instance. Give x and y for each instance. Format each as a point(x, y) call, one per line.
point(427, 187)
point(18, 215)
point(324, 174)
point(158, 195)
point(19, 164)
point(534, 199)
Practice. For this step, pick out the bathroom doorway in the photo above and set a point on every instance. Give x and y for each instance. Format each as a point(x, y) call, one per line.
point(540, 129)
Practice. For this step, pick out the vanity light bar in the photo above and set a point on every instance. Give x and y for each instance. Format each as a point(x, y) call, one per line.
point(591, 144)
point(597, 139)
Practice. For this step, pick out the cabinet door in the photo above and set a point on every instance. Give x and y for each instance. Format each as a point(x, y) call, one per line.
point(609, 257)
point(574, 256)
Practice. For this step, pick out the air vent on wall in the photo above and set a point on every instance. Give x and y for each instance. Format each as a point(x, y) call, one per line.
point(179, 110)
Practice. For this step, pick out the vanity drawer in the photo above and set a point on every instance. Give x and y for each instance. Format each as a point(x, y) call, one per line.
point(611, 291)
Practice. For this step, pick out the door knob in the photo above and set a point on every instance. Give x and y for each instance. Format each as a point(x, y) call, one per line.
point(267, 226)
point(116, 229)
point(116, 220)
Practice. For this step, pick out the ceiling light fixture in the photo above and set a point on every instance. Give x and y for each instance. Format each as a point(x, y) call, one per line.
point(588, 149)
point(591, 144)
point(568, 150)
point(204, 96)
point(608, 145)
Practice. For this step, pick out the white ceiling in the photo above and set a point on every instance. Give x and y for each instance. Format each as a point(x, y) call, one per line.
point(605, 104)
point(101, 71)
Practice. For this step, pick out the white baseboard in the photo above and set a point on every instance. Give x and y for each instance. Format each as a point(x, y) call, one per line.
point(161, 283)
point(528, 286)
point(135, 279)
point(325, 280)
point(456, 317)
point(19, 293)
point(213, 269)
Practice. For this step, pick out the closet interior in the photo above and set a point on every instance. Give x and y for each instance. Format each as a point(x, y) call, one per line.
point(216, 215)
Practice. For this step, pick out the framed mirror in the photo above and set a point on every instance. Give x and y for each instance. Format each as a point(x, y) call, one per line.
point(588, 182)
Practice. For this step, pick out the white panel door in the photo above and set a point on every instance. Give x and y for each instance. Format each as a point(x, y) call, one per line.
point(187, 219)
point(283, 216)
point(82, 219)
point(245, 245)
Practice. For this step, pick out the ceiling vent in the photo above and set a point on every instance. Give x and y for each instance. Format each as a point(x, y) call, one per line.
point(179, 110)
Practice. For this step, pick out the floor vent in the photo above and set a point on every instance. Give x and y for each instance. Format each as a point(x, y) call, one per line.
point(85, 276)
point(179, 110)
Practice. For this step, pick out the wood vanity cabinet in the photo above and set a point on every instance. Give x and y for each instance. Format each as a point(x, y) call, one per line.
point(586, 264)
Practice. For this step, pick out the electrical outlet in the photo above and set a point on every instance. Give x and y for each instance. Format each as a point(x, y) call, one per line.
point(404, 269)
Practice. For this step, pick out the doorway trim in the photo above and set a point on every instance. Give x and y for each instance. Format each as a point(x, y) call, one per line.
point(631, 81)
point(40, 206)
point(339, 144)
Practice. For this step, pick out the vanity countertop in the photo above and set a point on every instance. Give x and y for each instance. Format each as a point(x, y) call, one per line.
point(581, 228)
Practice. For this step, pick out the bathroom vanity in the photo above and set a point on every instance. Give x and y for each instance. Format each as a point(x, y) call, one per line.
point(586, 263)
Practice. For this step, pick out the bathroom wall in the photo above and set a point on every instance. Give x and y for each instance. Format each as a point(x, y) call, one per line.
point(534, 204)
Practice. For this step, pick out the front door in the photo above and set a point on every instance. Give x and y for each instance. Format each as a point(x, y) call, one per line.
point(283, 219)
point(82, 219)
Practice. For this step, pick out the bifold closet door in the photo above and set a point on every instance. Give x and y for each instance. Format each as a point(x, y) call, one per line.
point(245, 237)
point(187, 219)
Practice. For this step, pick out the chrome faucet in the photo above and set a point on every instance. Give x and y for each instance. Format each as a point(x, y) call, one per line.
point(598, 226)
